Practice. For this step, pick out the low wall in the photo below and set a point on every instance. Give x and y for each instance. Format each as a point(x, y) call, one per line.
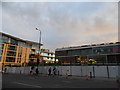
point(97, 71)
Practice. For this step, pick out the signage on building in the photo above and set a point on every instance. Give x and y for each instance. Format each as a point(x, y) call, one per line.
point(116, 50)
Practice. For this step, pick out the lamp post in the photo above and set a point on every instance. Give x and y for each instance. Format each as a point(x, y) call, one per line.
point(39, 47)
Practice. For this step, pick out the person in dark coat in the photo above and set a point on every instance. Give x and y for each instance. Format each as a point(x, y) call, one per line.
point(37, 71)
point(31, 70)
point(54, 71)
point(49, 71)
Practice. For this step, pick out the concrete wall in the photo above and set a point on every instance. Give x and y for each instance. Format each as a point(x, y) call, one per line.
point(98, 71)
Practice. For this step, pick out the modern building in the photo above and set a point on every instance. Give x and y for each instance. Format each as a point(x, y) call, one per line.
point(46, 56)
point(18, 52)
point(105, 53)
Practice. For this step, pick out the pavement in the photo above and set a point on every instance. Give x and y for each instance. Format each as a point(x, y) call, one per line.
point(45, 81)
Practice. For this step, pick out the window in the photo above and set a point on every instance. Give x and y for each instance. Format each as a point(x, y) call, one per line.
point(86, 51)
point(11, 47)
point(73, 52)
point(10, 59)
point(14, 42)
point(116, 49)
point(5, 39)
point(11, 53)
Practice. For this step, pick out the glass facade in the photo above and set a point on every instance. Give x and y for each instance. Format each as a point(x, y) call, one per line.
point(86, 51)
point(13, 41)
point(73, 52)
point(91, 51)
point(34, 46)
point(109, 53)
point(24, 44)
point(12, 47)
point(5, 39)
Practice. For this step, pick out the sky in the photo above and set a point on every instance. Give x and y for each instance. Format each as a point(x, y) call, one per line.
point(62, 24)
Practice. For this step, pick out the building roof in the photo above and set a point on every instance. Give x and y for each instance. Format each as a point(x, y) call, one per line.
point(19, 38)
point(88, 46)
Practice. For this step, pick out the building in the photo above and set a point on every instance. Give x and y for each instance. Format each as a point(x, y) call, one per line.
point(18, 52)
point(46, 56)
point(105, 53)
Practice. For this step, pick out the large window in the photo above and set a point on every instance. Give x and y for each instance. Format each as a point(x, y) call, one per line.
point(12, 48)
point(102, 50)
point(21, 43)
point(14, 42)
point(11, 53)
point(5, 39)
point(1, 52)
point(106, 49)
point(61, 53)
point(86, 51)
point(35, 46)
point(44, 54)
point(73, 52)
point(80, 52)
point(10, 59)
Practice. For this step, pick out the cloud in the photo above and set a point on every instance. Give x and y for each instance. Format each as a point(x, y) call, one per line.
point(62, 24)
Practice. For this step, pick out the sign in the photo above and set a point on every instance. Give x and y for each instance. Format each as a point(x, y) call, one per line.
point(115, 49)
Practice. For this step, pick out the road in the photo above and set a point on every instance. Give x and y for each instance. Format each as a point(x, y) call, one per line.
point(41, 81)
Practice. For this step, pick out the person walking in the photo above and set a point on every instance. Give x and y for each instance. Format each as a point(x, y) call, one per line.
point(49, 71)
point(54, 71)
point(37, 71)
point(67, 71)
point(31, 70)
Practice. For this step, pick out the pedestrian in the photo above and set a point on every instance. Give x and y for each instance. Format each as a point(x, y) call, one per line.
point(37, 71)
point(49, 71)
point(67, 73)
point(54, 71)
point(5, 69)
point(31, 70)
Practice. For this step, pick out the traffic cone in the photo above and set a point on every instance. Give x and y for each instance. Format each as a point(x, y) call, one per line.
point(86, 77)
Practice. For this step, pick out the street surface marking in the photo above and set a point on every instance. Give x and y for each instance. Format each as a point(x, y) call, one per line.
point(27, 84)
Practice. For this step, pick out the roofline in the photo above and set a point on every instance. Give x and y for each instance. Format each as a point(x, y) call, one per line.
point(19, 38)
point(87, 46)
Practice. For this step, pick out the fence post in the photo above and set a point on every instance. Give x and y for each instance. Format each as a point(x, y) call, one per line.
point(107, 71)
point(81, 71)
point(93, 71)
point(70, 70)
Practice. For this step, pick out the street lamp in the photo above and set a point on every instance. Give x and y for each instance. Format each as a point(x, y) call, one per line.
point(39, 47)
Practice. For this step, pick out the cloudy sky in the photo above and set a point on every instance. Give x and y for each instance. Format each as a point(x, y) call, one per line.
point(62, 24)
